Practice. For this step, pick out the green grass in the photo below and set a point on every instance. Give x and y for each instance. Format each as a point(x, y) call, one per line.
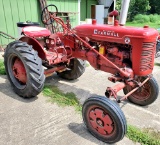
point(157, 64)
point(63, 99)
point(2, 68)
point(151, 25)
point(69, 99)
point(152, 133)
point(145, 138)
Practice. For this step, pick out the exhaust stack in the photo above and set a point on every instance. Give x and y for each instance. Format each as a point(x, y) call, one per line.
point(124, 12)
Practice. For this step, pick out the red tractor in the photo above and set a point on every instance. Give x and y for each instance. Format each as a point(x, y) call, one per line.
point(125, 52)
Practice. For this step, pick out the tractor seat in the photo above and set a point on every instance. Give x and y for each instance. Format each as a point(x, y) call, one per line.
point(34, 31)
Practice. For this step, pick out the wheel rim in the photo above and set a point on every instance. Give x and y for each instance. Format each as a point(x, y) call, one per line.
point(143, 93)
point(100, 121)
point(17, 72)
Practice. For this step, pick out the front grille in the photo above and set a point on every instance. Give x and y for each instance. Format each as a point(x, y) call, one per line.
point(147, 56)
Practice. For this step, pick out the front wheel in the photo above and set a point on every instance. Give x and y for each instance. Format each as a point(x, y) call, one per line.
point(104, 119)
point(146, 94)
point(24, 69)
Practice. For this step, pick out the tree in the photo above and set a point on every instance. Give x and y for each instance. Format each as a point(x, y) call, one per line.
point(155, 6)
point(136, 7)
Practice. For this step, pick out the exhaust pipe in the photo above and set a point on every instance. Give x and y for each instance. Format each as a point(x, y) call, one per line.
point(124, 12)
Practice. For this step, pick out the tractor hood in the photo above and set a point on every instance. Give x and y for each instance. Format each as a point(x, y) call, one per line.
point(110, 32)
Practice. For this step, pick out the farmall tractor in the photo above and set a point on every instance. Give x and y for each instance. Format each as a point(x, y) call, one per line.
point(127, 53)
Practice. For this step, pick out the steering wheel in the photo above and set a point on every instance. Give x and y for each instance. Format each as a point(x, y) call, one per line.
point(47, 17)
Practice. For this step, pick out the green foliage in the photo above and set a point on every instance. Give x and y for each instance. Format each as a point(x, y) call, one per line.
point(139, 18)
point(118, 5)
point(157, 64)
point(155, 18)
point(142, 137)
point(135, 24)
point(152, 18)
point(146, 19)
point(142, 7)
point(62, 99)
point(2, 68)
point(155, 6)
point(136, 7)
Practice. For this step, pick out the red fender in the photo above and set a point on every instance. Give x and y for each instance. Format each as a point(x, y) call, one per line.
point(36, 46)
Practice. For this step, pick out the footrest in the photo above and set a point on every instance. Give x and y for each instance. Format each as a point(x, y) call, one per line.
point(55, 58)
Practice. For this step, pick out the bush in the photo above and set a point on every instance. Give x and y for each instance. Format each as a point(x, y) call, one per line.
point(147, 18)
point(154, 18)
point(134, 22)
point(138, 17)
point(142, 18)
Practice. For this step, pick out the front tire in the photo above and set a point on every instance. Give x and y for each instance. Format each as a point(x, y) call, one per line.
point(104, 119)
point(146, 94)
point(24, 69)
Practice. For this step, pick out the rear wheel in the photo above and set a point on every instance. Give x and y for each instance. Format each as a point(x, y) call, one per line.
point(76, 68)
point(146, 94)
point(104, 119)
point(24, 69)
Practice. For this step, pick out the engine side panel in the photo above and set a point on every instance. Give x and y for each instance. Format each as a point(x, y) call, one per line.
point(141, 40)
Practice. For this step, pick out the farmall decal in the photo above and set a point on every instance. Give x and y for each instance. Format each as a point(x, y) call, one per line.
point(106, 33)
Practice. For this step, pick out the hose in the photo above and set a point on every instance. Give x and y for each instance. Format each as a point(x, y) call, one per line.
point(7, 36)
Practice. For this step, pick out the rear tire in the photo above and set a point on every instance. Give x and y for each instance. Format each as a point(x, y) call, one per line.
point(145, 95)
point(104, 119)
point(24, 69)
point(76, 69)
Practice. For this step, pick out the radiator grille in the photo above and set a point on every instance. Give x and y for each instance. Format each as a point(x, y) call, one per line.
point(147, 56)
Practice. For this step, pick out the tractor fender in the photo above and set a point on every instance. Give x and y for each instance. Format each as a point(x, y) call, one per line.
point(36, 46)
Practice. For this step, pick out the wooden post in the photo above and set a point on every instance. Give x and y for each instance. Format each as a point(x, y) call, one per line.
point(43, 4)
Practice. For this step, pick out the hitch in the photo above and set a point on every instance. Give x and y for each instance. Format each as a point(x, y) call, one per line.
point(112, 91)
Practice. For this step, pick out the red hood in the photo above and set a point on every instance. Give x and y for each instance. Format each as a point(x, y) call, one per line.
point(104, 32)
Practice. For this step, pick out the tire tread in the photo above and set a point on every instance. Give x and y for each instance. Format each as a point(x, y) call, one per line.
point(33, 66)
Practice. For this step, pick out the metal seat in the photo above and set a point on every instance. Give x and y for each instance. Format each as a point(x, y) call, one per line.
point(34, 31)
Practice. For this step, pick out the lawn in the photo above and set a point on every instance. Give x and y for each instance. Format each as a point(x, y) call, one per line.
point(152, 25)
